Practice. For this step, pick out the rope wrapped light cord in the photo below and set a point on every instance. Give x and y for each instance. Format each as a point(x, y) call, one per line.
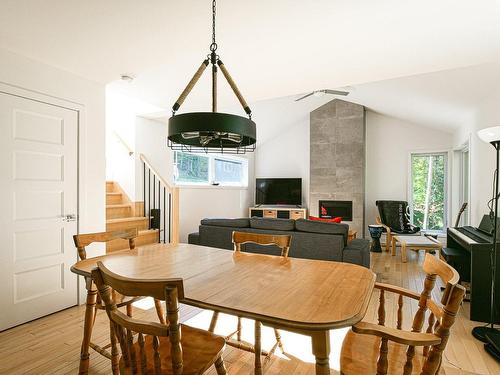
point(214, 88)
point(236, 91)
point(190, 85)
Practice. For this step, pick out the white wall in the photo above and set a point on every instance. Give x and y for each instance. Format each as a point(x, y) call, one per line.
point(389, 142)
point(39, 78)
point(482, 155)
point(287, 156)
point(121, 115)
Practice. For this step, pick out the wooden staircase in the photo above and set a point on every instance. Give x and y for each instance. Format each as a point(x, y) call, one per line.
point(121, 213)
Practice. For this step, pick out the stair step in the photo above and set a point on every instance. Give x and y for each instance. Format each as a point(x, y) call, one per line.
point(145, 237)
point(117, 211)
point(138, 222)
point(110, 186)
point(113, 198)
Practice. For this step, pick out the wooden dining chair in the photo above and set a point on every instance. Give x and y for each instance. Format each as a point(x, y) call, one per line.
point(159, 349)
point(241, 238)
point(81, 242)
point(376, 349)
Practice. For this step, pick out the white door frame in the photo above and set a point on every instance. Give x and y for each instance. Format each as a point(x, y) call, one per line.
point(81, 154)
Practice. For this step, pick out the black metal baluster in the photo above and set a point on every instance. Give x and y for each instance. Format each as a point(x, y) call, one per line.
point(164, 213)
point(149, 198)
point(169, 217)
point(159, 216)
point(144, 188)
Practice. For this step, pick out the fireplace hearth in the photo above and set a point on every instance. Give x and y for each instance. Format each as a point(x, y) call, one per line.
point(330, 209)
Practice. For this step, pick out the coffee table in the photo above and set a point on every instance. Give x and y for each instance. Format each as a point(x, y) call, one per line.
point(414, 243)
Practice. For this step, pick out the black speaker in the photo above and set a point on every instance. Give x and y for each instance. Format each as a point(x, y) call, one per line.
point(155, 218)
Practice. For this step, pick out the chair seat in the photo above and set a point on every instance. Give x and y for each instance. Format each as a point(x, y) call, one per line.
point(360, 354)
point(200, 350)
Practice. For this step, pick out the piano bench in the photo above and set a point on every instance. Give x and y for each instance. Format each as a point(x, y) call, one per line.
point(458, 259)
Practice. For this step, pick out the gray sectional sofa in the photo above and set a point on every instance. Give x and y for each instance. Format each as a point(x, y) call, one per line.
point(310, 239)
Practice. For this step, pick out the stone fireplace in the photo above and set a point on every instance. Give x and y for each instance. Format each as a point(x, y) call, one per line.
point(337, 159)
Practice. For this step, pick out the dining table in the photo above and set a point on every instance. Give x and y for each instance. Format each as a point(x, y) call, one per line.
point(309, 297)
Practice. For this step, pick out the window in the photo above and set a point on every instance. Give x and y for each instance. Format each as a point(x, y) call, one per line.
point(428, 191)
point(191, 169)
point(196, 169)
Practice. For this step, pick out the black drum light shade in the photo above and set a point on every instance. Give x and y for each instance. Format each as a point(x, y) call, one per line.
point(208, 124)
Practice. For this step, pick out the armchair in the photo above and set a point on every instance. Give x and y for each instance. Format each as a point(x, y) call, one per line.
point(394, 217)
point(371, 348)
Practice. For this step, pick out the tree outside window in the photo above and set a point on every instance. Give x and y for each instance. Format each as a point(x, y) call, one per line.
point(428, 190)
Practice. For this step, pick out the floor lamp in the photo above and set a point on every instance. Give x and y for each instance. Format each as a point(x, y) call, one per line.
point(489, 334)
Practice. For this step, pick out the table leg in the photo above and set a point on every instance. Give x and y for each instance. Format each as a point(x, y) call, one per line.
point(404, 257)
point(321, 350)
point(87, 327)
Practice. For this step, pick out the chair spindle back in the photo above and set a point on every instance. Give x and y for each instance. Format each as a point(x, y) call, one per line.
point(440, 318)
point(281, 241)
point(83, 240)
point(168, 290)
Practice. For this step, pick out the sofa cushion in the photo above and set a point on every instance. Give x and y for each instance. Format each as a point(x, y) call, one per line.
point(272, 224)
point(232, 223)
point(194, 238)
point(303, 225)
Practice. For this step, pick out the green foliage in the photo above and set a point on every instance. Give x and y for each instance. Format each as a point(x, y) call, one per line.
point(191, 168)
point(437, 193)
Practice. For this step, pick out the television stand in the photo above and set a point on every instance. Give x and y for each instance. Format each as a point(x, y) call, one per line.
point(278, 212)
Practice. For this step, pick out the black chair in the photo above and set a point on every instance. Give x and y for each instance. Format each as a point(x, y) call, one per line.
point(395, 218)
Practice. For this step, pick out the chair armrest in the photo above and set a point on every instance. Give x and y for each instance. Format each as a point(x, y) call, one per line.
point(398, 290)
point(379, 222)
point(397, 335)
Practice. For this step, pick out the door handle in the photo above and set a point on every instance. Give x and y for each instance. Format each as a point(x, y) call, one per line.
point(68, 218)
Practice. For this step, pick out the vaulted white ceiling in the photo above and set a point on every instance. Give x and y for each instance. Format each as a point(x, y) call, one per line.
point(272, 48)
point(387, 50)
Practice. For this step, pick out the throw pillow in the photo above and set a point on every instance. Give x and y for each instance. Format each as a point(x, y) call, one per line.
point(334, 220)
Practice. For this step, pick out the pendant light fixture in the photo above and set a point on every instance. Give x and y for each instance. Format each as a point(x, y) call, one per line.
point(211, 131)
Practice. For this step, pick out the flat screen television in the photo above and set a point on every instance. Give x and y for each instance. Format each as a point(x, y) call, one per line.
point(278, 191)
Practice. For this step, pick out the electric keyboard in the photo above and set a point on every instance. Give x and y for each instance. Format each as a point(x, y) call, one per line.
point(474, 234)
point(479, 245)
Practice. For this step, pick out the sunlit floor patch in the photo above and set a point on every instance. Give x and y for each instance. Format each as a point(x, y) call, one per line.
point(295, 345)
point(145, 303)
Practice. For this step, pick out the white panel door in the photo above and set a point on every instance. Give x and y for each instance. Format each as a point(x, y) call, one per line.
point(38, 190)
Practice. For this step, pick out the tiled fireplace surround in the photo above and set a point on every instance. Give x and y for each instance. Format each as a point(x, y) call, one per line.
point(337, 157)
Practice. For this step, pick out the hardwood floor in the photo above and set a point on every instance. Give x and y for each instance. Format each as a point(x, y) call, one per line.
point(51, 345)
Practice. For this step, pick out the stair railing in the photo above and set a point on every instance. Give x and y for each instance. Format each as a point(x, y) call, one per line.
point(161, 203)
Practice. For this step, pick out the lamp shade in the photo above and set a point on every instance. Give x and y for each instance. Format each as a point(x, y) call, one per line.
point(489, 134)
